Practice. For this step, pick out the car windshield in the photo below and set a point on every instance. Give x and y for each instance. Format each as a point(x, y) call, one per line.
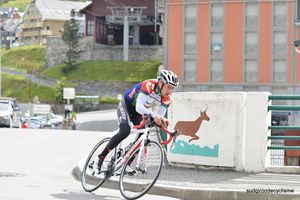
point(4, 106)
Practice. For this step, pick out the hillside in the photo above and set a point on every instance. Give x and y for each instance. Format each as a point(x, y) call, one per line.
point(107, 71)
point(24, 58)
point(24, 91)
point(32, 58)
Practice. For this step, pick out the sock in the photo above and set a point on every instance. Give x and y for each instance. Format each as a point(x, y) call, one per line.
point(104, 153)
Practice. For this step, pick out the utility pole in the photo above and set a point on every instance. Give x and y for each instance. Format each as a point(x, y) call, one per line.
point(126, 16)
point(125, 38)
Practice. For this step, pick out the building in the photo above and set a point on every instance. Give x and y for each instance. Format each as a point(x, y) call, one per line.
point(9, 25)
point(46, 18)
point(9, 29)
point(218, 45)
point(105, 21)
point(9, 13)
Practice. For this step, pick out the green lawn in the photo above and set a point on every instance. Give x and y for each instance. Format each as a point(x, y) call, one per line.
point(25, 58)
point(19, 87)
point(108, 71)
point(20, 4)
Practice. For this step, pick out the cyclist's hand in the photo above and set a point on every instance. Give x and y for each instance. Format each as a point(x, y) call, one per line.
point(158, 120)
point(165, 122)
point(161, 121)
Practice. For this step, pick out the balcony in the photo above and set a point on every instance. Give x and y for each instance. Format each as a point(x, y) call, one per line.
point(30, 33)
point(31, 25)
point(46, 32)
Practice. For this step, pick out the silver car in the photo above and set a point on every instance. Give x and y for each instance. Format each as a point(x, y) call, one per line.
point(10, 114)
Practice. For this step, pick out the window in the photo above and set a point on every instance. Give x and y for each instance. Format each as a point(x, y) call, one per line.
point(190, 68)
point(251, 43)
point(216, 42)
point(217, 11)
point(280, 14)
point(280, 43)
point(251, 71)
point(190, 43)
point(279, 71)
point(298, 10)
point(90, 27)
point(251, 15)
point(216, 70)
point(190, 18)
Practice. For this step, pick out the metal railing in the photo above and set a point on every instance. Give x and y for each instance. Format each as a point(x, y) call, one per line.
point(284, 108)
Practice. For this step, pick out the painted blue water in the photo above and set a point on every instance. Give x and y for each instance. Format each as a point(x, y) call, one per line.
point(184, 148)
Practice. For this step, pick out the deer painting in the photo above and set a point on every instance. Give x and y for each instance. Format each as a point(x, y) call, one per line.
point(190, 128)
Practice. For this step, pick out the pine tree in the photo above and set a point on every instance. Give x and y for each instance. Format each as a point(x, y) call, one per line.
point(71, 38)
point(59, 90)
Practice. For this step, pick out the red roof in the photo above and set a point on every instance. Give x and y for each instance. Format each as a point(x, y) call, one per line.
point(100, 7)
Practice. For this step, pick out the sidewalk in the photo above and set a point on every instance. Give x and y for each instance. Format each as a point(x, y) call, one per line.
point(196, 184)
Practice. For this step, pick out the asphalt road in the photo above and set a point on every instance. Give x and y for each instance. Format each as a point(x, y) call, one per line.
point(37, 165)
point(97, 121)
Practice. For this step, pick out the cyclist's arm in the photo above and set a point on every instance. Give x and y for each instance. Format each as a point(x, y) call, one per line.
point(140, 106)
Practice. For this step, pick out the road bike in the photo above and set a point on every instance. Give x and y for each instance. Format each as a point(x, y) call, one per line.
point(139, 165)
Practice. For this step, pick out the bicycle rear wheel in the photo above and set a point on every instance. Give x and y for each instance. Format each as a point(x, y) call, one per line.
point(136, 184)
point(89, 179)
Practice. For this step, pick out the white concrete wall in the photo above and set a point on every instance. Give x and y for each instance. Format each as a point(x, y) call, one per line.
point(235, 135)
point(256, 132)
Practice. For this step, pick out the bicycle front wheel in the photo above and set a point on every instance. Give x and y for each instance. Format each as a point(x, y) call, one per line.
point(137, 178)
point(90, 180)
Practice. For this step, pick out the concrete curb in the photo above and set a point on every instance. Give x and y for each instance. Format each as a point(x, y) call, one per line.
point(192, 193)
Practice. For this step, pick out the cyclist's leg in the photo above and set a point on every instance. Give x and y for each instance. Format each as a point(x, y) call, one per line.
point(124, 130)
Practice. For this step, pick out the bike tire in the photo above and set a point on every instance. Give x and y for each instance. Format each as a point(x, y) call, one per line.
point(137, 185)
point(89, 181)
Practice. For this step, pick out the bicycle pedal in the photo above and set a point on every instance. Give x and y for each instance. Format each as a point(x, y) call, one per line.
point(91, 165)
point(131, 173)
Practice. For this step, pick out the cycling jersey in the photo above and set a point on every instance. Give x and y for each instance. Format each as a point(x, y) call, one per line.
point(146, 95)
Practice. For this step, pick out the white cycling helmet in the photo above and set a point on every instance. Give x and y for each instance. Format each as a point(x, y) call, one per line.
point(168, 77)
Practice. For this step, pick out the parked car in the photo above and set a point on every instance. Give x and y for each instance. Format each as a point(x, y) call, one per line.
point(10, 113)
point(32, 123)
point(55, 119)
point(38, 121)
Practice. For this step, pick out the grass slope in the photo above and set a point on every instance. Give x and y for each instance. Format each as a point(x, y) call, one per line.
point(25, 58)
point(19, 87)
point(108, 71)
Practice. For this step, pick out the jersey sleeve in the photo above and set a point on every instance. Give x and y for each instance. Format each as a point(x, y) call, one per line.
point(147, 87)
point(140, 108)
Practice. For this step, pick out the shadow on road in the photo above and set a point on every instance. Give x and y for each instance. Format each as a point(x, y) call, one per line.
point(70, 194)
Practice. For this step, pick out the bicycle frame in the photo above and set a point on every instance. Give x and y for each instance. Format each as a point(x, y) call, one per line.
point(141, 142)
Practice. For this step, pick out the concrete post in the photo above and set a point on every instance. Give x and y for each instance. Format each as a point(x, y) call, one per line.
point(136, 35)
point(125, 38)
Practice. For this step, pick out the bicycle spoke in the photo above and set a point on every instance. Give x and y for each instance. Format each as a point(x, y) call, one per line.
point(135, 185)
point(90, 179)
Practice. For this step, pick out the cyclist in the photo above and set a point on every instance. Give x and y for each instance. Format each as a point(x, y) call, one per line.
point(136, 102)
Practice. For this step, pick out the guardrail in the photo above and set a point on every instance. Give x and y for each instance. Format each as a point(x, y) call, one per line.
point(284, 108)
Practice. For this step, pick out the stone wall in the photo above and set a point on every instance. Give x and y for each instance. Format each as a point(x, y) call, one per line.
point(55, 48)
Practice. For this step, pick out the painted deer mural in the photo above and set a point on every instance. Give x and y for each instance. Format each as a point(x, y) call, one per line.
point(190, 128)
